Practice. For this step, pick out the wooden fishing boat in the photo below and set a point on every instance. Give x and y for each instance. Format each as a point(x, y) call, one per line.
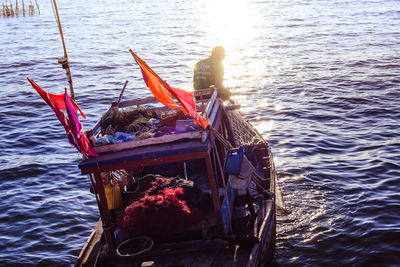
point(174, 189)
point(231, 216)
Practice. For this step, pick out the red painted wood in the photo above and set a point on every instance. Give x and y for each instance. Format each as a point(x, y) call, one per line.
point(146, 162)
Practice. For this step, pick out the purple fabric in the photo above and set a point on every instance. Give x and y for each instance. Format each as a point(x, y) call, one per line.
point(72, 128)
point(145, 78)
point(75, 125)
point(163, 130)
point(75, 135)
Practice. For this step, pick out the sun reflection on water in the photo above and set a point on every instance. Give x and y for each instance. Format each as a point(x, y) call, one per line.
point(266, 126)
point(278, 107)
point(234, 25)
point(229, 22)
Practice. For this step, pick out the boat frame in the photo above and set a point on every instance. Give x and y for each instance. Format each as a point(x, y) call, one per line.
point(259, 243)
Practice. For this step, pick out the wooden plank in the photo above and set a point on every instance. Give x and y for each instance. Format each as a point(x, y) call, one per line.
point(148, 141)
point(205, 258)
point(180, 260)
point(253, 258)
point(204, 92)
point(133, 163)
point(211, 103)
point(188, 246)
point(135, 102)
point(242, 256)
point(225, 257)
point(265, 228)
point(232, 107)
point(263, 214)
point(147, 152)
point(214, 112)
point(262, 232)
point(87, 249)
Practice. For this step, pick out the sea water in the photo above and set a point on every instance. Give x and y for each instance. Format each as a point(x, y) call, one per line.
point(319, 80)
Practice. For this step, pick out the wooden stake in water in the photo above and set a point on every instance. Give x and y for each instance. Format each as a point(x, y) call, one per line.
point(38, 9)
point(8, 10)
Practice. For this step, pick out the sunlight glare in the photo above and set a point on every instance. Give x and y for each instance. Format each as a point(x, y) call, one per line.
point(278, 107)
point(235, 26)
point(228, 22)
point(266, 126)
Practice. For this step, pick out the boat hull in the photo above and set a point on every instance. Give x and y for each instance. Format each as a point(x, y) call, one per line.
point(254, 227)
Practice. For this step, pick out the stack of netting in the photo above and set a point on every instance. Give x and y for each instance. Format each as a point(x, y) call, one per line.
point(127, 120)
point(163, 206)
point(142, 122)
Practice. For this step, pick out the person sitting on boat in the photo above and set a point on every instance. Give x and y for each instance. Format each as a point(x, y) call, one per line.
point(210, 71)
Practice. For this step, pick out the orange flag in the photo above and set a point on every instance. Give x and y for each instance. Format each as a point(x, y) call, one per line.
point(165, 93)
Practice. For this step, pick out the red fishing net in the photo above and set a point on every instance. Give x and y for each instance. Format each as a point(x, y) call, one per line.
point(162, 208)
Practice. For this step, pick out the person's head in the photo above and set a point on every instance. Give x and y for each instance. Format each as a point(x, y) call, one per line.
point(218, 53)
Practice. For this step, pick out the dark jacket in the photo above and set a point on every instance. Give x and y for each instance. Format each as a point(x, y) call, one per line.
point(208, 72)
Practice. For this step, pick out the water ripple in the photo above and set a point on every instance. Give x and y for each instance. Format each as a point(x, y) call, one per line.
point(320, 80)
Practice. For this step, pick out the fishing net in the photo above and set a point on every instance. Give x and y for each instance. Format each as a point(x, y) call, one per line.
point(246, 135)
point(244, 132)
point(162, 207)
point(128, 120)
point(140, 122)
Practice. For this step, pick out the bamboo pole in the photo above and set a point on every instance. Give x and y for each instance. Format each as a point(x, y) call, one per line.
point(64, 61)
point(122, 93)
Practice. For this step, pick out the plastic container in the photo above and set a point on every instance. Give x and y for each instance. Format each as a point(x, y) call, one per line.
point(113, 196)
point(233, 161)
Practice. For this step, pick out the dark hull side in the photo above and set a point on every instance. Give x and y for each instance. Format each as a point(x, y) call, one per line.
point(191, 254)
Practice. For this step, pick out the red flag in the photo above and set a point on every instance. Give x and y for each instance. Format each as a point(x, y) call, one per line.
point(49, 100)
point(71, 123)
point(187, 101)
point(60, 104)
point(163, 92)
